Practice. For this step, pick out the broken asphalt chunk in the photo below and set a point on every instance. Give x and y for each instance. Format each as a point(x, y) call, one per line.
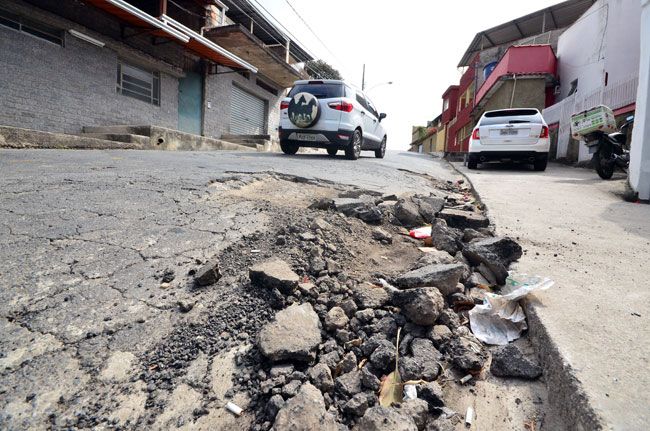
point(208, 274)
point(294, 334)
point(443, 276)
point(510, 361)
point(463, 219)
point(496, 254)
point(274, 273)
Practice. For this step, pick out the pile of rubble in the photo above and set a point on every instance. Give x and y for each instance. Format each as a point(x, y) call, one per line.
point(322, 361)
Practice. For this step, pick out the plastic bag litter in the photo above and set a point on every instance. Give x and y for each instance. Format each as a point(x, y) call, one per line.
point(421, 232)
point(500, 319)
point(410, 392)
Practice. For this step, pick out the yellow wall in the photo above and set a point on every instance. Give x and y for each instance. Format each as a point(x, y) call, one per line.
point(440, 139)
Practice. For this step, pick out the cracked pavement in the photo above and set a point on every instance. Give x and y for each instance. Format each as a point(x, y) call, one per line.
point(85, 239)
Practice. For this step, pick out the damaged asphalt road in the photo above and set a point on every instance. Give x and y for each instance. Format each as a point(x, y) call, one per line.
point(103, 324)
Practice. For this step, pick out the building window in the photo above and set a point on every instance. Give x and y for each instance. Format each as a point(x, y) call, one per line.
point(445, 104)
point(574, 87)
point(41, 31)
point(141, 84)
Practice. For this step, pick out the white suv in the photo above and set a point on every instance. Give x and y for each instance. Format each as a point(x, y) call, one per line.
point(510, 134)
point(330, 114)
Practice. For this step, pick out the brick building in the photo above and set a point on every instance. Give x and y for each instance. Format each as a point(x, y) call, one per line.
point(207, 67)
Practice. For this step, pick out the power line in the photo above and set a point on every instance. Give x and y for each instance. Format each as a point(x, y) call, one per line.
point(312, 31)
point(280, 24)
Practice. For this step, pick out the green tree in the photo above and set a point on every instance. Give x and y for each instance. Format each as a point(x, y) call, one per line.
point(321, 70)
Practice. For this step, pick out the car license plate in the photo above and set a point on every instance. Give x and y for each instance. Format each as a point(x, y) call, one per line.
point(508, 132)
point(305, 137)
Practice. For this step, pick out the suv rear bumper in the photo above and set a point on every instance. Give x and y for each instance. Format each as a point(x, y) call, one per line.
point(327, 139)
point(524, 156)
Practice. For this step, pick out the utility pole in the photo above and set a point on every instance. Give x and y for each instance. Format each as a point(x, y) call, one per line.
point(363, 78)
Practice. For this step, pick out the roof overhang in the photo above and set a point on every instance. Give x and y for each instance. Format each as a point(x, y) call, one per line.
point(137, 18)
point(208, 49)
point(554, 17)
point(241, 42)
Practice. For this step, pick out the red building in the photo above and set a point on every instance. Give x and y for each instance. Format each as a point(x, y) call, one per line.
point(511, 65)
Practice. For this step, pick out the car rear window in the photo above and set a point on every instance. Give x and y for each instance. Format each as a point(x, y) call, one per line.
point(320, 91)
point(512, 116)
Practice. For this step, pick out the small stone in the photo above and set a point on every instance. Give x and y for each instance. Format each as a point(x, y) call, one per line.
point(383, 357)
point(321, 377)
point(332, 266)
point(336, 319)
point(439, 335)
point(510, 361)
point(307, 236)
point(273, 406)
point(380, 418)
point(370, 296)
point(305, 412)
point(424, 362)
point(185, 306)
point(291, 388)
point(349, 383)
point(357, 405)
point(381, 235)
point(468, 353)
point(348, 363)
point(470, 235)
point(369, 380)
point(208, 274)
point(321, 224)
point(274, 273)
point(417, 409)
point(365, 315)
point(317, 265)
point(421, 305)
point(349, 306)
point(408, 213)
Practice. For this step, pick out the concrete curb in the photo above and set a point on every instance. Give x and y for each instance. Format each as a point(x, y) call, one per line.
point(567, 398)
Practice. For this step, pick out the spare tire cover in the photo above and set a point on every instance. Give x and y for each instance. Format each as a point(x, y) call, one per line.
point(303, 110)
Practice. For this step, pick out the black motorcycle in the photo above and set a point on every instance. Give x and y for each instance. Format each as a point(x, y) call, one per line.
point(609, 150)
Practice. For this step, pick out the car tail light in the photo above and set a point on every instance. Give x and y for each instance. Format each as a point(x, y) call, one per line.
point(284, 105)
point(476, 135)
point(544, 133)
point(341, 106)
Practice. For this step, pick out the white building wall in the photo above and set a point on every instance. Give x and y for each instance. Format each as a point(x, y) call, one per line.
point(603, 44)
point(639, 175)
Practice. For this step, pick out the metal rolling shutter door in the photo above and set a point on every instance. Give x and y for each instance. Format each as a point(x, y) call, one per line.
point(247, 113)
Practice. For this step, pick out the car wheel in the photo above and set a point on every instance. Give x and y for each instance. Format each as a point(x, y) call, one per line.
point(354, 149)
point(472, 162)
point(332, 151)
point(381, 152)
point(290, 149)
point(540, 163)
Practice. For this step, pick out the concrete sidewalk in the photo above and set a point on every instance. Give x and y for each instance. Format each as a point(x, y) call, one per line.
point(594, 325)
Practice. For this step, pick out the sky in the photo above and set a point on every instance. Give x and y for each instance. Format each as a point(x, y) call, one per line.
point(416, 44)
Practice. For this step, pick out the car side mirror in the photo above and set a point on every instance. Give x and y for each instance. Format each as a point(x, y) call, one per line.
point(382, 116)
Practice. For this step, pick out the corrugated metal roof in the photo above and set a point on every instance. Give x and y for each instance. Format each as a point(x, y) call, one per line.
point(551, 18)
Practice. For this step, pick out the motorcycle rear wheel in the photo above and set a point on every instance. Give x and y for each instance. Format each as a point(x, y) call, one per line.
point(604, 167)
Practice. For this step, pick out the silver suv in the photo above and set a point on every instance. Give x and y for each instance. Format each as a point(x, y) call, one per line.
point(333, 115)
